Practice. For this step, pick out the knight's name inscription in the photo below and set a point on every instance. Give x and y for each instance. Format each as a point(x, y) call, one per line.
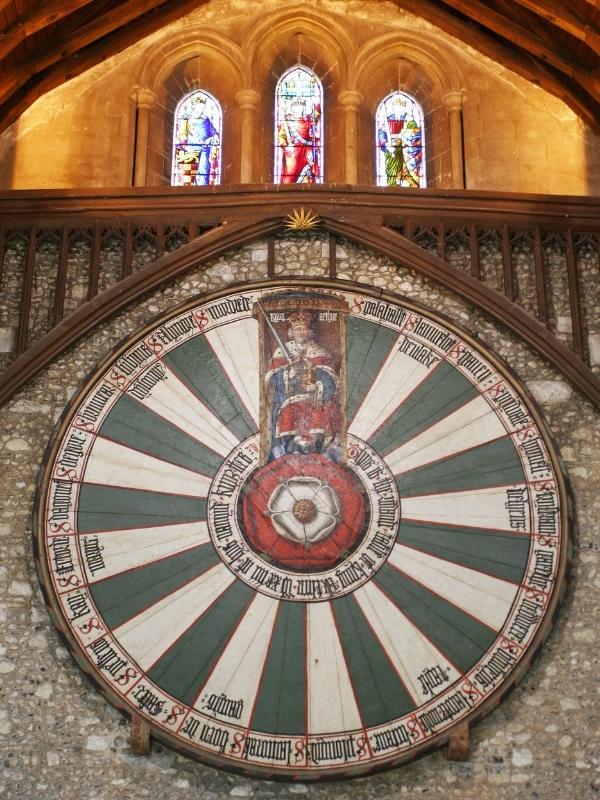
point(366, 469)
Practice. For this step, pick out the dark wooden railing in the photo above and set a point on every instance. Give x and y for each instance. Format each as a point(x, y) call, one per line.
point(60, 250)
point(569, 243)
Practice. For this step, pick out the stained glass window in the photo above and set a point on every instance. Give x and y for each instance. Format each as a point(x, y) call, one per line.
point(400, 144)
point(298, 125)
point(197, 141)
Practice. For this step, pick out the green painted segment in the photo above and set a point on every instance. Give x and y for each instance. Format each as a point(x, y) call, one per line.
point(134, 425)
point(367, 347)
point(185, 667)
point(443, 391)
point(492, 464)
point(503, 555)
point(123, 596)
point(110, 508)
point(460, 637)
point(196, 364)
point(280, 704)
point(381, 695)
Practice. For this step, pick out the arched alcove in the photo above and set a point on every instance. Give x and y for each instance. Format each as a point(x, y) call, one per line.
point(319, 43)
point(201, 61)
point(419, 66)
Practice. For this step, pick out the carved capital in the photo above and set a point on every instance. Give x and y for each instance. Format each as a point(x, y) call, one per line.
point(454, 100)
point(247, 98)
point(144, 98)
point(350, 99)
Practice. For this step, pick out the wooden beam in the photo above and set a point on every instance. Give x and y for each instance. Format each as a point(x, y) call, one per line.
point(568, 21)
point(26, 290)
point(517, 34)
point(474, 247)
point(82, 207)
point(519, 321)
point(529, 67)
point(236, 233)
point(332, 256)
point(61, 277)
point(540, 278)
point(139, 736)
point(40, 19)
point(271, 257)
point(5, 4)
point(200, 251)
point(574, 295)
point(103, 25)
point(507, 266)
point(459, 746)
point(27, 86)
point(547, 32)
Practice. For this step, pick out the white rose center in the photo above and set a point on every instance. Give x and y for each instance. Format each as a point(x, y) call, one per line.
point(304, 510)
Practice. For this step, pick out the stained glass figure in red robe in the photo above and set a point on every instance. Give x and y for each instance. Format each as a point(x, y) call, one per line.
point(298, 119)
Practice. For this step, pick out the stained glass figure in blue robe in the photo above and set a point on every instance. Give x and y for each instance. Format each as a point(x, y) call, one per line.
point(197, 157)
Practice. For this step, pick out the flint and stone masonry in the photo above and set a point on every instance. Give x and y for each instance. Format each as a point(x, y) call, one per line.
point(59, 738)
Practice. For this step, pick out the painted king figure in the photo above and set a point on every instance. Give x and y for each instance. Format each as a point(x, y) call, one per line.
point(301, 386)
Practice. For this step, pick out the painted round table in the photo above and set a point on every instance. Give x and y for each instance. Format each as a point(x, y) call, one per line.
point(302, 529)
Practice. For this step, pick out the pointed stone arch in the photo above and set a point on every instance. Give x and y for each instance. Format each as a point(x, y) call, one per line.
point(419, 64)
point(200, 60)
point(322, 43)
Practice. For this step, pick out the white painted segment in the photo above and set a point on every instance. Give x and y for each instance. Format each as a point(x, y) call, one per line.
point(114, 464)
point(471, 425)
point(397, 378)
point(476, 508)
point(173, 401)
point(128, 549)
point(486, 598)
point(151, 632)
point(236, 347)
point(238, 672)
point(407, 648)
point(331, 703)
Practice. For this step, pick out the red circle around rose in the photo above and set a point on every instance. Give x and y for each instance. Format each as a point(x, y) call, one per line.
point(261, 534)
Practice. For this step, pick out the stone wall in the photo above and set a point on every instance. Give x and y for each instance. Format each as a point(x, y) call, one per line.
point(59, 738)
point(517, 137)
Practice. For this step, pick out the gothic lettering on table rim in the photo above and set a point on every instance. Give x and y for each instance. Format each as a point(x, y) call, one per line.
point(302, 529)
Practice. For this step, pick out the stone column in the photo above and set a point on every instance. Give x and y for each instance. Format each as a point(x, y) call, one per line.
point(453, 102)
point(144, 99)
point(247, 100)
point(351, 100)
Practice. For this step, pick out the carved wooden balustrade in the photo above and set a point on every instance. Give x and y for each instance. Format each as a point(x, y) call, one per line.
point(69, 259)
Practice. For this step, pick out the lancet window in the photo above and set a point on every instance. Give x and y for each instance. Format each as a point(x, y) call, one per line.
point(298, 127)
point(197, 141)
point(400, 145)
